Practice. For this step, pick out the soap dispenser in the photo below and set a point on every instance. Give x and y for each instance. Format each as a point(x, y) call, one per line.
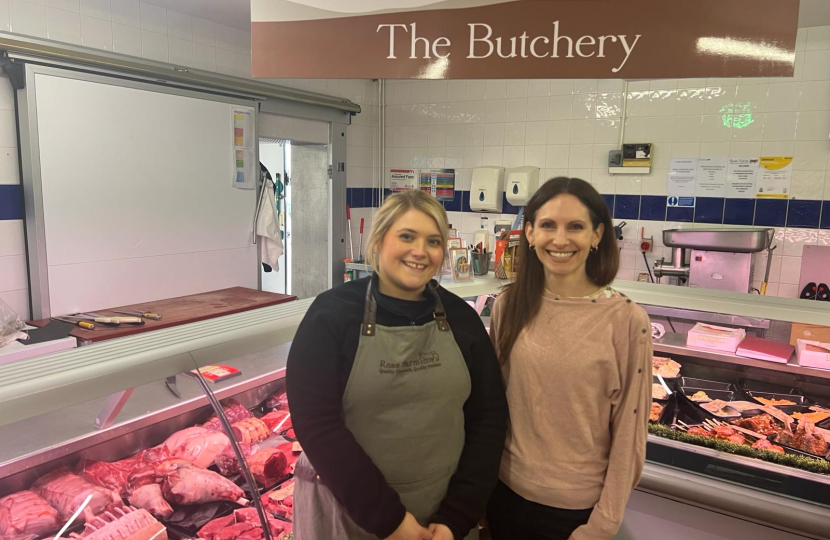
point(486, 189)
point(522, 183)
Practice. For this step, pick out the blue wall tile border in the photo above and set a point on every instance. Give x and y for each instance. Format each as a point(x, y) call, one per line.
point(626, 206)
point(11, 202)
point(653, 208)
point(709, 210)
point(808, 214)
point(739, 212)
point(804, 214)
point(771, 212)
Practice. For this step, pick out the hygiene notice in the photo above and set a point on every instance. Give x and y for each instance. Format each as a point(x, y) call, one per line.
point(681, 182)
point(741, 177)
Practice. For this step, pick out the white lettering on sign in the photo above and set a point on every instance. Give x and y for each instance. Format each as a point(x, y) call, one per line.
point(483, 44)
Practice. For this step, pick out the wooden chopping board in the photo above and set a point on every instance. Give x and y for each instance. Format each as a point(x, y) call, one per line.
point(181, 310)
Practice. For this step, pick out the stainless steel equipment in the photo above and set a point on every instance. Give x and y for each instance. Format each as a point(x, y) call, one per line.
point(720, 258)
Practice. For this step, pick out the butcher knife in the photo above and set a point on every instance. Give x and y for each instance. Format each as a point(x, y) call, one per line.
point(144, 314)
point(171, 385)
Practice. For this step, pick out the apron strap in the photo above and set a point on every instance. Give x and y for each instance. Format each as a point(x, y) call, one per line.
point(370, 311)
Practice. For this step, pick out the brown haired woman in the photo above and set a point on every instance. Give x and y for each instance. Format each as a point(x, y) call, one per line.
point(396, 395)
point(576, 361)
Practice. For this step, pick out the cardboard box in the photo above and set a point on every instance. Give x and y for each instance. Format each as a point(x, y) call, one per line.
point(813, 354)
point(715, 338)
point(811, 332)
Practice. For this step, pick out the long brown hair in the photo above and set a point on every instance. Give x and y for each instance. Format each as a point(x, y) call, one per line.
point(523, 298)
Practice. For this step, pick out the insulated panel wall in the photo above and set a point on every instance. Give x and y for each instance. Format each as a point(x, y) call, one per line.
point(137, 196)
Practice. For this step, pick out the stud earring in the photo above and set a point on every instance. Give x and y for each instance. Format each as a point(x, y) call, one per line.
point(593, 249)
point(532, 247)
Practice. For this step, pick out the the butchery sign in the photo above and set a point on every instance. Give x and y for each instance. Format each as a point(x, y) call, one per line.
point(507, 39)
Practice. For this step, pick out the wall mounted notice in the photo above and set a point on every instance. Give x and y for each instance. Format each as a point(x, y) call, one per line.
point(775, 177)
point(243, 154)
point(711, 177)
point(681, 182)
point(403, 180)
point(440, 183)
point(741, 177)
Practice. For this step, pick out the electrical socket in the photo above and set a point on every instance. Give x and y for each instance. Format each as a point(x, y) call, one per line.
point(627, 244)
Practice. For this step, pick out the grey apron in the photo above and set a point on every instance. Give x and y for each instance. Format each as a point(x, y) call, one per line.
point(404, 404)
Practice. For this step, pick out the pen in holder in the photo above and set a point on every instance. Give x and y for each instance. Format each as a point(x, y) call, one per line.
point(481, 263)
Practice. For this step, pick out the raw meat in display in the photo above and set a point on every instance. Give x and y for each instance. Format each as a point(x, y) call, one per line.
point(290, 434)
point(280, 502)
point(278, 401)
point(251, 430)
point(111, 475)
point(726, 433)
point(268, 465)
point(232, 531)
point(182, 483)
point(212, 527)
point(805, 439)
point(150, 498)
point(234, 412)
point(19, 537)
point(123, 524)
point(26, 512)
point(66, 491)
point(699, 431)
point(196, 445)
point(278, 421)
point(764, 444)
point(227, 463)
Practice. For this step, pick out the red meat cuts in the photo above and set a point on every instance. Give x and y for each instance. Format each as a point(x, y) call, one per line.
point(226, 461)
point(288, 450)
point(150, 498)
point(278, 421)
point(66, 491)
point(196, 445)
point(234, 412)
point(182, 483)
point(209, 530)
point(268, 465)
point(278, 401)
point(232, 531)
point(280, 502)
point(111, 475)
point(123, 524)
point(251, 430)
point(26, 512)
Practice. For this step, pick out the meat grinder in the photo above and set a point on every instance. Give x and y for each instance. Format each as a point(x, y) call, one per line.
point(720, 258)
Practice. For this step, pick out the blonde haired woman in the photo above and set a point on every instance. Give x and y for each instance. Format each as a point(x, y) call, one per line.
point(396, 395)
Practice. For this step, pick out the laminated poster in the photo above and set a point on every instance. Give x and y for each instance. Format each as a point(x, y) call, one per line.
point(681, 182)
point(775, 178)
point(440, 183)
point(741, 177)
point(403, 180)
point(711, 177)
point(243, 155)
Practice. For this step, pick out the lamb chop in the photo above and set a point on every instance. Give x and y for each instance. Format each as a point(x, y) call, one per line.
point(182, 483)
point(123, 524)
point(66, 491)
point(26, 512)
point(280, 502)
point(111, 475)
point(234, 412)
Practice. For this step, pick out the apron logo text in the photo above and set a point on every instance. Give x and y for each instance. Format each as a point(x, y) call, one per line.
point(424, 361)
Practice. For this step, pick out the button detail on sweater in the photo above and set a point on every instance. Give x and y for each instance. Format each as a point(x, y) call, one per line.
point(628, 301)
point(644, 330)
point(635, 411)
point(640, 370)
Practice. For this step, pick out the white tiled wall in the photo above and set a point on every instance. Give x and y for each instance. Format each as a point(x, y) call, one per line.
point(139, 29)
point(567, 127)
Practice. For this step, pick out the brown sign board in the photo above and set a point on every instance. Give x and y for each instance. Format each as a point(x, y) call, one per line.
point(525, 39)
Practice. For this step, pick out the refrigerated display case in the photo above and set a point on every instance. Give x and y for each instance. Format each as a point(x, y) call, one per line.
point(109, 401)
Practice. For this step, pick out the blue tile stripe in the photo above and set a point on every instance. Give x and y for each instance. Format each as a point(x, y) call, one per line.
point(11, 202)
point(797, 213)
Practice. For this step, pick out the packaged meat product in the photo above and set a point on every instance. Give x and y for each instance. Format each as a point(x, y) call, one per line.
point(182, 483)
point(278, 421)
point(278, 401)
point(123, 524)
point(149, 497)
point(665, 367)
point(234, 412)
point(196, 445)
point(66, 491)
point(111, 475)
point(26, 512)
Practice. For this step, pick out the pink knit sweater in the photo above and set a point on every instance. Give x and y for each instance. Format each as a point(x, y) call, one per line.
point(579, 389)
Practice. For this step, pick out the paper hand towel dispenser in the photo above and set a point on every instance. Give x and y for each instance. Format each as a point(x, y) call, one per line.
point(486, 189)
point(522, 183)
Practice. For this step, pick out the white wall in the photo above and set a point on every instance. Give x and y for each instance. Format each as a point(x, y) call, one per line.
point(138, 29)
point(567, 127)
